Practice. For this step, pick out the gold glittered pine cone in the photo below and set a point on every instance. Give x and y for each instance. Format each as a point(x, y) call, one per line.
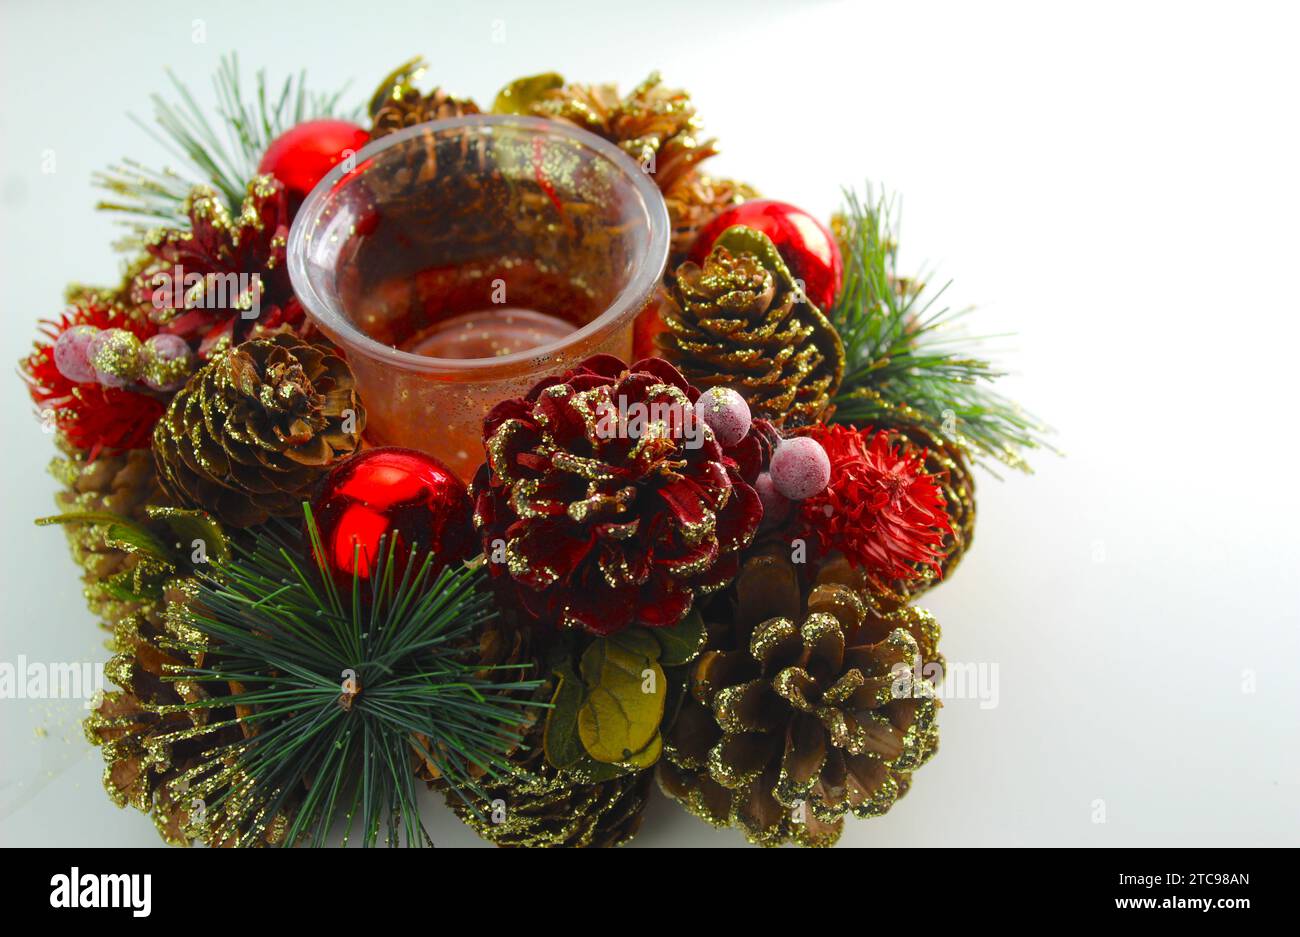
point(656, 126)
point(124, 484)
point(738, 321)
point(541, 807)
point(397, 103)
point(154, 750)
point(257, 427)
point(804, 708)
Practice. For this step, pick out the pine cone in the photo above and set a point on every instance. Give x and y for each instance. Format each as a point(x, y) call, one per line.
point(803, 710)
point(654, 125)
point(658, 128)
point(125, 484)
point(607, 524)
point(397, 102)
point(540, 807)
point(737, 322)
point(150, 751)
point(406, 107)
point(256, 428)
point(242, 261)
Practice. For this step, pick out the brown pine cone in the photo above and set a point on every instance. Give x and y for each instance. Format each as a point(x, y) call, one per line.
point(397, 102)
point(125, 484)
point(541, 807)
point(406, 107)
point(150, 753)
point(658, 128)
point(810, 713)
point(256, 428)
point(736, 322)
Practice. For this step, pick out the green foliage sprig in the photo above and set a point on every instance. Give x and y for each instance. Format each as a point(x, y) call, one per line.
point(339, 692)
point(224, 152)
point(905, 362)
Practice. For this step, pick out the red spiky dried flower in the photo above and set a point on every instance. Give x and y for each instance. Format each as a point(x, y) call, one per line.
point(90, 416)
point(604, 528)
point(881, 510)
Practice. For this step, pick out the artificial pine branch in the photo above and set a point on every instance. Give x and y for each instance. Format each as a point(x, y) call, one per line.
point(318, 749)
point(903, 361)
point(188, 132)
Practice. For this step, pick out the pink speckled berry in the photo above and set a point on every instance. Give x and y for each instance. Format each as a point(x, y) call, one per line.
point(776, 506)
point(726, 413)
point(167, 362)
point(71, 353)
point(800, 468)
point(115, 354)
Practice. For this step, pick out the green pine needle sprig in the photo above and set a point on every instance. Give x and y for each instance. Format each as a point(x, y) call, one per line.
point(341, 692)
point(905, 360)
point(222, 148)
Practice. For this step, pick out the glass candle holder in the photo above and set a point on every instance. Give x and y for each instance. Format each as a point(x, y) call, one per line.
point(460, 261)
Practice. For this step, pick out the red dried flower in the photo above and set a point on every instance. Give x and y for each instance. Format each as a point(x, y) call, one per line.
point(90, 416)
point(224, 280)
point(606, 524)
point(882, 510)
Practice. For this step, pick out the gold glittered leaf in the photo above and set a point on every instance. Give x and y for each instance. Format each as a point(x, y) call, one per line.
point(120, 533)
point(187, 526)
point(400, 80)
point(520, 95)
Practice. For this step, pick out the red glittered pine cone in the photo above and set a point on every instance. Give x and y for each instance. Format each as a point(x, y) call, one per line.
point(224, 280)
point(592, 520)
point(89, 415)
point(882, 509)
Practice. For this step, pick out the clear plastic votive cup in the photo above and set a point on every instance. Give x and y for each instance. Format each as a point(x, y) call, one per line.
point(458, 262)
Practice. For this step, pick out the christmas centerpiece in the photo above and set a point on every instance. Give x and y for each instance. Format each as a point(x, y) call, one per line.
point(503, 452)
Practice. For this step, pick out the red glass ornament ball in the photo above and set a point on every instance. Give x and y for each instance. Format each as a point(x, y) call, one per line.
point(806, 245)
point(302, 155)
point(396, 493)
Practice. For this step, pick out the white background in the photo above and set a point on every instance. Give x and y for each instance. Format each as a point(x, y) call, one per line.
point(1113, 182)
